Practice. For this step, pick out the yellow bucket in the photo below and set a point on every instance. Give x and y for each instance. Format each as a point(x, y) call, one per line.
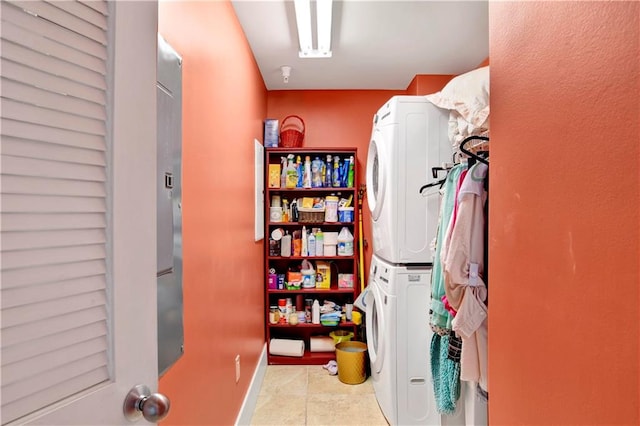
point(351, 358)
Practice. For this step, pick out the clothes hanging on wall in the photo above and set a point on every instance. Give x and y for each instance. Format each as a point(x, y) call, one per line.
point(445, 369)
point(459, 291)
point(464, 269)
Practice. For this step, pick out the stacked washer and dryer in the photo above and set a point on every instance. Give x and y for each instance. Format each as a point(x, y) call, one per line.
point(409, 137)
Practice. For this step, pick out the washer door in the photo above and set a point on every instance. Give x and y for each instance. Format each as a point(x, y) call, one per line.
point(376, 179)
point(376, 336)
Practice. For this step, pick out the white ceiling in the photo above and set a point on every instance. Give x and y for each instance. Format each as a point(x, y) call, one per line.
point(375, 44)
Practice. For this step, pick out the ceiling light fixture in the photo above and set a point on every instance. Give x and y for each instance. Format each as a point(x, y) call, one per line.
point(303, 22)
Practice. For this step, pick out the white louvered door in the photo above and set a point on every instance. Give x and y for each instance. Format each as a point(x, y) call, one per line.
point(77, 198)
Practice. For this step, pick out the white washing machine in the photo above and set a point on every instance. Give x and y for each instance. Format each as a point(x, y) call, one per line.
point(398, 340)
point(409, 137)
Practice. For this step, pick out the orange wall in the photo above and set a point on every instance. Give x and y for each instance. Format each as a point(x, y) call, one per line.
point(564, 243)
point(427, 84)
point(340, 118)
point(224, 102)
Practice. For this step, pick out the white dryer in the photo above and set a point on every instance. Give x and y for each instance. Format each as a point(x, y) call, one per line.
point(409, 137)
point(398, 340)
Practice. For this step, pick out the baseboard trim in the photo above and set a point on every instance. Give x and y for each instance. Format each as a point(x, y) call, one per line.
point(251, 397)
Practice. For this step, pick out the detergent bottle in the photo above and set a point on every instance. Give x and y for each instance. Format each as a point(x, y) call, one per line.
point(345, 242)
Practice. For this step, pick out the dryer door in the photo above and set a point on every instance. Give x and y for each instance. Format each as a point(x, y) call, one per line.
point(376, 338)
point(376, 178)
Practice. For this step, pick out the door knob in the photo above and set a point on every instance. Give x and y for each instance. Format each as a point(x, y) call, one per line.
point(141, 402)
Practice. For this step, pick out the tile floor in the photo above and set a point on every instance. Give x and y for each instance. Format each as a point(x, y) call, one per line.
point(309, 395)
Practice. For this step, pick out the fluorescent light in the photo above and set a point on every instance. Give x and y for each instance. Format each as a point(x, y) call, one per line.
point(323, 13)
point(303, 22)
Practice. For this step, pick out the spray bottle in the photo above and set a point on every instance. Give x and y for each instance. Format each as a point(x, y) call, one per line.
point(306, 176)
point(336, 172)
point(300, 172)
point(351, 172)
point(328, 177)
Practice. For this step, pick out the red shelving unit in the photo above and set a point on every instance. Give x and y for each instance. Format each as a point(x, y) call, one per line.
point(281, 264)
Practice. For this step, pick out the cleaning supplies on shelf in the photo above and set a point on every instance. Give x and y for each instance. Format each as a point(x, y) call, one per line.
point(299, 167)
point(306, 174)
point(351, 172)
point(305, 246)
point(319, 243)
point(328, 177)
point(291, 173)
point(331, 209)
point(315, 312)
point(316, 173)
point(336, 172)
point(345, 242)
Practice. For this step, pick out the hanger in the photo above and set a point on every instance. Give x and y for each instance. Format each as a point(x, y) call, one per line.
point(472, 156)
point(445, 167)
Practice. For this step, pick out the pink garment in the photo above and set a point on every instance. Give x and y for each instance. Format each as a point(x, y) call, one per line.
point(463, 266)
point(452, 220)
point(455, 205)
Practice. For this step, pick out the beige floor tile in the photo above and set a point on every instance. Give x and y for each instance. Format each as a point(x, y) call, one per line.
point(320, 381)
point(340, 409)
point(278, 409)
point(285, 380)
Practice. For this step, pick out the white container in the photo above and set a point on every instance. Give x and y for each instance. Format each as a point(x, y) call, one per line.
point(329, 250)
point(331, 209)
point(308, 278)
point(345, 242)
point(330, 238)
point(275, 214)
point(315, 312)
point(345, 214)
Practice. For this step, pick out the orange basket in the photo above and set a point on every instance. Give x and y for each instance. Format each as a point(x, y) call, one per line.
point(291, 134)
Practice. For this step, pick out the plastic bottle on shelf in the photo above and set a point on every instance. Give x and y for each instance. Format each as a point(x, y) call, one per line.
point(285, 210)
point(283, 173)
point(319, 243)
point(351, 173)
point(300, 172)
point(345, 242)
point(316, 173)
point(285, 245)
point(292, 173)
point(344, 173)
point(336, 172)
point(294, 216)
point(304, 250)
point(328, 177)
point(311, 245)
point(315, 312)
point(306, 174)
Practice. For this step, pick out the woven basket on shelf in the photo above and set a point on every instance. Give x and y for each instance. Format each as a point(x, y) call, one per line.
point(291, 133)
point(306, 215)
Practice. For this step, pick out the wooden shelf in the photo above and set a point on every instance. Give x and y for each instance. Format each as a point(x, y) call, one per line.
point(311, 257)
point(345, 264)
point(319, 189)
point(313, 290)
point(309, 358)
point(316, 326)
point(300, 224)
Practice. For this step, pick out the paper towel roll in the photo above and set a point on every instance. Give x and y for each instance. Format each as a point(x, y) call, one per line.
point(322, 344)
point(286, 347)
